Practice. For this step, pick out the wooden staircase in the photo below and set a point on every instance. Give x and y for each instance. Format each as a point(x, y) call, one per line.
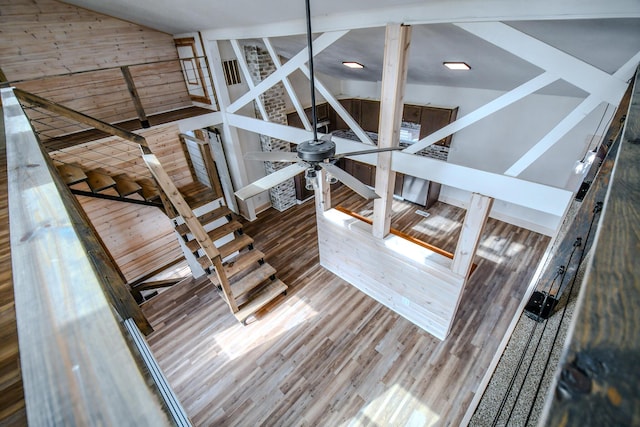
point(238, 270)
point(100, 182)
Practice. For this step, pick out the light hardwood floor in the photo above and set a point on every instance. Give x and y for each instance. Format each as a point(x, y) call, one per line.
point(326, 354)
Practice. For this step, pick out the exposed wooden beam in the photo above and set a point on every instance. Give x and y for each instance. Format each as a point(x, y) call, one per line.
point(133, 91)
point(319, 44)
point(231, 140)
point(497, 104)
point(322, 192)
point(394, 79)
point(532, 195)
point(585, 107)
point(287, 85)
point(36, 100)
point(551, 138)
point(338, 108)
point(585, 76)
point(474, 222)
point(248, 77)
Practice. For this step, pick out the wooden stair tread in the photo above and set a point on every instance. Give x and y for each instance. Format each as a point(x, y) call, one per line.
point(99, 181)
point(241, 285)
point(125, 186)
point(242, 262)
point(260, 299)
point(71, 174)
point(215, 234)
point(227, 249)
point(205, 219)
point(197, 194)
point(148, 189)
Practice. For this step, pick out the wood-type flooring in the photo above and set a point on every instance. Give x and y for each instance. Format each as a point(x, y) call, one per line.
point(326, 354)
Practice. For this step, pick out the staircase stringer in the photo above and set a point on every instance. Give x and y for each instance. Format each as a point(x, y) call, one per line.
point(182, 208)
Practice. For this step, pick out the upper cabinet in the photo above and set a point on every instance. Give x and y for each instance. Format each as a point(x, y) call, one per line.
point(366, 113)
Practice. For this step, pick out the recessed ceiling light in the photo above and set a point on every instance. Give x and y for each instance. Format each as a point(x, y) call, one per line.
point(456, 65)
point(351, 64)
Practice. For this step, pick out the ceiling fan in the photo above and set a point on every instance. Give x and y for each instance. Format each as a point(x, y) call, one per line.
point(311, 156)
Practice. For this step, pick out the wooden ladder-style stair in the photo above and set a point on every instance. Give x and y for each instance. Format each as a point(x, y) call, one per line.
point(236, 268)
point(99, 181)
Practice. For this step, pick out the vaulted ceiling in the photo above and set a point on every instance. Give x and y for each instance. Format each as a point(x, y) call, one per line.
point(605, 42)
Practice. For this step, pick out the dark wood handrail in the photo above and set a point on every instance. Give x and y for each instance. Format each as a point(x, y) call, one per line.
point(39, 101)
point(598, 378)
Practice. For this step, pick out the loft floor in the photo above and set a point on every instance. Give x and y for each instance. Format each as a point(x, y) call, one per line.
point(326, 354)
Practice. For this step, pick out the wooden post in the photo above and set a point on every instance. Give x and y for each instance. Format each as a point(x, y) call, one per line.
point(394, 77)
point(323, 192)
point(474, 222)
point(131, 85)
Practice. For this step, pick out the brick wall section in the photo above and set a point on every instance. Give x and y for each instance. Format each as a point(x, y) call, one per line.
point(260, 65)
point(439, 152)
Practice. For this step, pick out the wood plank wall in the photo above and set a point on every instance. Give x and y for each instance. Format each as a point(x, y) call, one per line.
point(140, 238)
point(380, 268)
point(45, 38)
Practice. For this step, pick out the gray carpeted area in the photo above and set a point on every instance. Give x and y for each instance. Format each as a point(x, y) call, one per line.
point(516, 394)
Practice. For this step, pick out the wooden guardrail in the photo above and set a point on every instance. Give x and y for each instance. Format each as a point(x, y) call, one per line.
point(598, 380)
point(77, 368)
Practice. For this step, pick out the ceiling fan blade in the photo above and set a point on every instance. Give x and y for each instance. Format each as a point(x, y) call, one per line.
point(350, 181)
point(372, 151)
point(272, 156)
point(269, 181)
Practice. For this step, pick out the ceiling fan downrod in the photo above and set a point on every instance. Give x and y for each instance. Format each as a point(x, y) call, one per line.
point(311, 76)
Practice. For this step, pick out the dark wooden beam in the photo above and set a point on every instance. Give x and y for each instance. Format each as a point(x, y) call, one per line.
point(599, 380)
point(36, 100)
point(133, 91)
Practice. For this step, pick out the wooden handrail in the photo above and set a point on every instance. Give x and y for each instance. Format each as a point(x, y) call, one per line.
point(5, 83)
point(76, 365)
point(39, 101)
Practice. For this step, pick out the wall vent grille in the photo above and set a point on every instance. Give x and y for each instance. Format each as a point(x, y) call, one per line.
point(231, 72)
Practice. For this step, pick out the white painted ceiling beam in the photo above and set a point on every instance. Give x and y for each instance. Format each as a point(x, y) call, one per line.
point(570, 121)
point(248, 77)
point(551, 138)
point(339, 109)
point(578, 73)
point(499, 103)
point(532, 195)
point(287, 85)
point(432, 12)
point(319, 44)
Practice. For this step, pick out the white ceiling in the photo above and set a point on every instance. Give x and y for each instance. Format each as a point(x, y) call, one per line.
point(605, 43)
